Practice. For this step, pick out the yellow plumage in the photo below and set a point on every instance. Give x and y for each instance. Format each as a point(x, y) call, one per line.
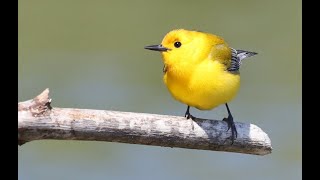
point(196, 73)
point(200, 69)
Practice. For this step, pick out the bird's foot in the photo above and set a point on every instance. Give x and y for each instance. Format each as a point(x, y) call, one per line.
point(188, 115)
point(231, 126)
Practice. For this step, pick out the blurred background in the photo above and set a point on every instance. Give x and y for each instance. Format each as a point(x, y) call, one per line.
point(90, 54)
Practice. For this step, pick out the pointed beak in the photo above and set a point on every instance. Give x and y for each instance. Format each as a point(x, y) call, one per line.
point(157, 48)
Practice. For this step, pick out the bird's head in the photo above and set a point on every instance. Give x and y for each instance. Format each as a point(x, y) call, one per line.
point(184, 46)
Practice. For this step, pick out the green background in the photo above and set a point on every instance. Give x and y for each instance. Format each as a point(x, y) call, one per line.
point(90, 54)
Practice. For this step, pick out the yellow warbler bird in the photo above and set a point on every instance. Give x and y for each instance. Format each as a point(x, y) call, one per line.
point(201, 70)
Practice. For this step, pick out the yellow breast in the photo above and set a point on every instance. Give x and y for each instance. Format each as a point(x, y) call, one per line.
point(205, 85)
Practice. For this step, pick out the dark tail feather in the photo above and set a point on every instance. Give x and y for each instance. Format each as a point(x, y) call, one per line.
point(237, 57)
point(241, 54)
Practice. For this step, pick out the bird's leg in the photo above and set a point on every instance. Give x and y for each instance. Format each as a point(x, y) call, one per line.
point(188, 115)
point(231, 125)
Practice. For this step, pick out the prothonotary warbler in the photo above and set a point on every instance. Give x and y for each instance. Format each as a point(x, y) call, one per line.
point(201, 70)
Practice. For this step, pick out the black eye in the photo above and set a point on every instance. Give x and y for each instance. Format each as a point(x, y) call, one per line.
point(177, 44)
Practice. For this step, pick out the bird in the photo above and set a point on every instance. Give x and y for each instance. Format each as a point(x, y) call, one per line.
point(201, 70)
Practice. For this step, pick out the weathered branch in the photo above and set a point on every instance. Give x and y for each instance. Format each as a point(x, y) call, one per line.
point(38, 120)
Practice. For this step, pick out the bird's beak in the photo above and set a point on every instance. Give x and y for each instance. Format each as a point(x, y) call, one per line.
point(157, 48)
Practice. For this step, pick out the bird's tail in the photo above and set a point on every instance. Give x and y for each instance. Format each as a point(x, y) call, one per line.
point(241, 54)
point(237, 57)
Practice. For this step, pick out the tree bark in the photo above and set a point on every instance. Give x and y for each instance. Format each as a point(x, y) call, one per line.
point(37, 120)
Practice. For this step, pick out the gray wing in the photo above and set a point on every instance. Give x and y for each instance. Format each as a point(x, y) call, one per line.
point(236, 57)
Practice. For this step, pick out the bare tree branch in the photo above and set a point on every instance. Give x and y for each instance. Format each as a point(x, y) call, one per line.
point(37, 120)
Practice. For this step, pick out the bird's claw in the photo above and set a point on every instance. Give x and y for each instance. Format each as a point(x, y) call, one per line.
point(188, 116)
point(233, 128)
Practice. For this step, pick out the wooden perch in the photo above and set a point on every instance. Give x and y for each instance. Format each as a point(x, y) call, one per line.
point(38, 120)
